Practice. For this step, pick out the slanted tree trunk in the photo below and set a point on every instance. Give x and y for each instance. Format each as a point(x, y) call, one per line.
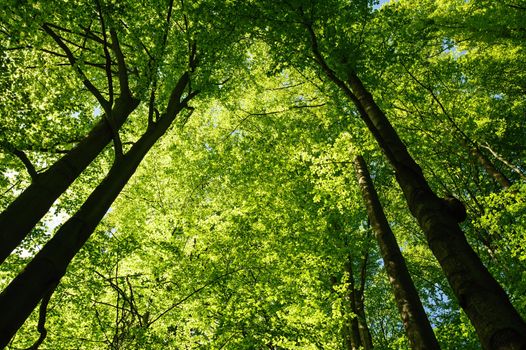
point(499, 326)
point(30, 206)
point(416, 324)
point(355, 330)
point(497, 175)
point(46, 269)
point(356, 294)
point(353, 326)
point(365, 334)
point(17, 220)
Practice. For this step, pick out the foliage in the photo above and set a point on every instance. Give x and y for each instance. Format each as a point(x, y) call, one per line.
point(235, 230)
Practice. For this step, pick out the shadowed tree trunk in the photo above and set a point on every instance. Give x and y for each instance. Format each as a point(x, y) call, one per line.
point(498, 324)
point(46, 269)
point(365, 334)
point(353, 326)
point(356, 298)
point(17, 220)
point(490, 168)
point(414, 318)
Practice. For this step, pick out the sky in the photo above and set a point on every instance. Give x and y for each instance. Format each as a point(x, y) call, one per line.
point(380, 4)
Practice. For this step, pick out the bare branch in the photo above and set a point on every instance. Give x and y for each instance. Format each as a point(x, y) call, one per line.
point(504, 161)
point(107, 57)
point(91, 35)
point(180, 301)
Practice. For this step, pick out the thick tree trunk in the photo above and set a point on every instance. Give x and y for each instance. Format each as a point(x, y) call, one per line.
point(17, 220)
point(498, 324)
point(416, 323)
point(46, 269)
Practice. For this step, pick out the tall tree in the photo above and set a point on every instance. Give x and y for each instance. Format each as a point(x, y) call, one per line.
point(338, 55)
point(50, 264)
point(115, 99)
point(416, 323)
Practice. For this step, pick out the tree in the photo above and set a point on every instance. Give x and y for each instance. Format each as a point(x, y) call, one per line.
point(27, 209)
point(410, 307)
point(44, 272)
point(500, 326)
point(243, 226)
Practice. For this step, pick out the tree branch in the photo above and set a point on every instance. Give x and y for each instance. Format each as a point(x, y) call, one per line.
point(22, 156)
point(107, 57)
point(42, 318)
point(73, 61)
point(123, 71)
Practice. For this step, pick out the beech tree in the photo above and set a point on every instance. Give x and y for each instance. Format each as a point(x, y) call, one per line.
point(43, 273)
point(439, 218)
point(226, 213)
point(411, 310)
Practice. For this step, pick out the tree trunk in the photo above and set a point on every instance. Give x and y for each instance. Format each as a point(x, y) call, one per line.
point(46, 269)
point(352, 324)
point(17, 220)
point(416, 323)
point(498, 324)
point(490, 168)
point(365, 334)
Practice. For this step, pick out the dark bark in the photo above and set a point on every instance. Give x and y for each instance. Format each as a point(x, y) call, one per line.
point(17, 220)
point(414, 318)
point(490, 168)
point(359, 327)
point(365, 334)
point(46, 269)
point(352, 325)
point(498, 324)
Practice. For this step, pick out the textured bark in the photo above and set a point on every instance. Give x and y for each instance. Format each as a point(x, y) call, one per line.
point(498, 324)
point(414, 318)
point(17, 220)
point(46, 269)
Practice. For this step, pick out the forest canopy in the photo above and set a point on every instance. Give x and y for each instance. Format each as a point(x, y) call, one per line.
point(261, 174)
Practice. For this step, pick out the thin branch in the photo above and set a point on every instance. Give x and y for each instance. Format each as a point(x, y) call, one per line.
point(123, 71)
point(504, 161)
point(179, 302)
point(107, 56)
point(53, 53)
point(42, 317)
point(92, 36)
point(22, 156)
point(73, 61)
